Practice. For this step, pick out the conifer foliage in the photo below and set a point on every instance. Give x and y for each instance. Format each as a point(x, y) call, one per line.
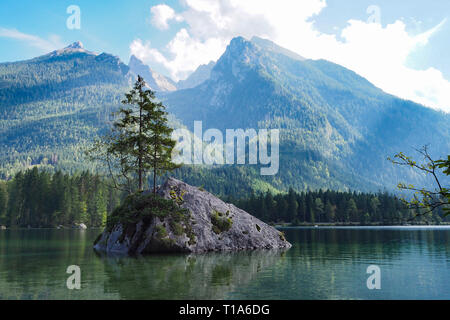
point(139, 142)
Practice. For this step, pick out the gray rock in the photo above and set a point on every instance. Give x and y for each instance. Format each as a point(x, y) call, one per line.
point(80, 226)
point(2, 228)
point(208, 215)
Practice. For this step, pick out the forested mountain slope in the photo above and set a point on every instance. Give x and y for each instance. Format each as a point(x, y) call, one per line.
point(337, 129)
point(52, 106)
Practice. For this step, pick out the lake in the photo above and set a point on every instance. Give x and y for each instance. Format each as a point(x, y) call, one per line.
point(324, 263)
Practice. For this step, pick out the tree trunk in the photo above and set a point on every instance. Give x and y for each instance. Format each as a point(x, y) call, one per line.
point(140, 176)
point(140, 170)
point(154, 173)
point(154, 181)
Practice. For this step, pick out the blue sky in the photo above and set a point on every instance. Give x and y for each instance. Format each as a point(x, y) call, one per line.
point(402, 46)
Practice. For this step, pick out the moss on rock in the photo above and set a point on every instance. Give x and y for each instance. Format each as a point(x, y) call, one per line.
point(220, 222)
point(144, 207)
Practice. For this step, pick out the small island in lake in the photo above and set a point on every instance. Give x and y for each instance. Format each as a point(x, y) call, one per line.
point(183, 218)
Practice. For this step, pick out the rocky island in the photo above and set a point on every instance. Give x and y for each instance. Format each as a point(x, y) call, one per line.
point(184, 218)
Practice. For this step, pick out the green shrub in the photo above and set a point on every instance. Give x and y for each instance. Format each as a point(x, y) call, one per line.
point(192, 240)
point(161, 232)
point(220, 222)
point(177, 228)
point(144, 207)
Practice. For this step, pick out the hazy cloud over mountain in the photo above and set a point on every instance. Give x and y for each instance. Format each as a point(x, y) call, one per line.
point(376, 51)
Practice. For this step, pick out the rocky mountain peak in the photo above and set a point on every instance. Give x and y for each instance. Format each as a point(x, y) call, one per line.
point(75, 45)
point(274, 48)
point(240, 46)
point(135, 61)
point(153, 79)
point(239, 57)
point(200, 75)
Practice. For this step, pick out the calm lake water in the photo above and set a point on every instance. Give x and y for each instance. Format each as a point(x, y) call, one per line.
point(324, 263)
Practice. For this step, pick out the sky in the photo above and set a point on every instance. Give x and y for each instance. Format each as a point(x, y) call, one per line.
point(401, 46)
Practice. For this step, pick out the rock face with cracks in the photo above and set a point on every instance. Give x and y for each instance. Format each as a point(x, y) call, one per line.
point(206, 224)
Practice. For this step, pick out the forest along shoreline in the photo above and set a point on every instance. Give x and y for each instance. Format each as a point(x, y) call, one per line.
point(40, 199)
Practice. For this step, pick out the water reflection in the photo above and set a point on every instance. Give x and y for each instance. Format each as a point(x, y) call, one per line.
point(206, 276)
point(324, 263)
point(330, 263)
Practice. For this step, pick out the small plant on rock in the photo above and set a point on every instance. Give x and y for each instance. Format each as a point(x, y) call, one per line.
point(220, 222)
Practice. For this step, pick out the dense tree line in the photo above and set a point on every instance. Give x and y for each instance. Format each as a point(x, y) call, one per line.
point(334, 207)
point(37, 198)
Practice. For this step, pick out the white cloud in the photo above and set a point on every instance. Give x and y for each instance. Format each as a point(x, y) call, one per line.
point(188, 54)
point(162, 14)
point(378, 53)
point(53, 43)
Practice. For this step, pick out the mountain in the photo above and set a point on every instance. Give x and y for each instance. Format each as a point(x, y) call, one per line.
point(337, 129)
point(52, 106)
point(75, 47)
point(160, 83)
point(200, 75)
point(154, 80)
point(272, 47)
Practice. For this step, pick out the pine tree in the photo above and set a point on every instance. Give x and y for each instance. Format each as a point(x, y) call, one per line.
point(140, 141)
point(302, 208)
point(3, 203)
point(309, 208)
point(292, 206)
point(270, 205)
point(319, 208)
point(329, 212)
point(16, 201)
point(282, 207)
point(161, 143)
point(352, 211)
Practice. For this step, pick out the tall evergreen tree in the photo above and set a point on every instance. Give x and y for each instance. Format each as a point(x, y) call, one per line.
point(292, 205)
point(329, 211)
point(318, 208)
point(3, 202)
point(140, 141)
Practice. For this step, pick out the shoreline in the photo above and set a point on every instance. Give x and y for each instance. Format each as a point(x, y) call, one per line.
point(284, 225)
point(355, 224)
